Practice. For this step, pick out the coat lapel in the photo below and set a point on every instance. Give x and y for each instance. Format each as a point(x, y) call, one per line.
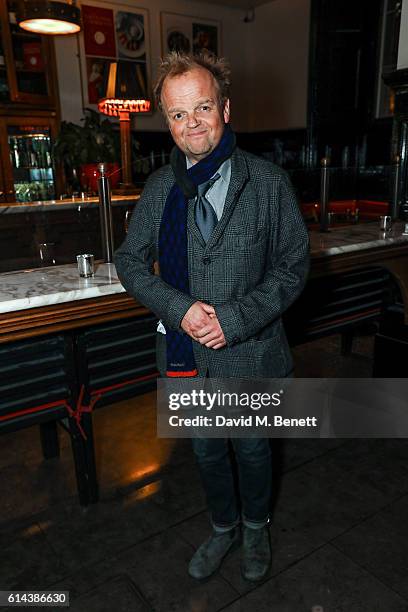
point(239, 176)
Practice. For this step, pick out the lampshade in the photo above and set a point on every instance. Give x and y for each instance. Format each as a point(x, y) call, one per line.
point(124, 89)
point(48, 16)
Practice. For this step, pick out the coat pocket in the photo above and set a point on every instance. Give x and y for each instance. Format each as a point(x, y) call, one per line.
point(252, 359)
point(272, 358)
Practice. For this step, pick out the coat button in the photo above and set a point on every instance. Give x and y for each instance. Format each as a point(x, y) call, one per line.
point(206, 260)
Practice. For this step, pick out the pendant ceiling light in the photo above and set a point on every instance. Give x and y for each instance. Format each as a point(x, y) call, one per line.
point(49, 16)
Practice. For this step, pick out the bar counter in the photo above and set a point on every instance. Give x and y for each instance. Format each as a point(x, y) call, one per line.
point(67, 227)
point(55, 285)
point(42, 300)
point(350, 248)
point(64, 204)
point(351, 238)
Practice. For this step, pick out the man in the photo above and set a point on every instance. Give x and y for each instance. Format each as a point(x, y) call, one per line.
point(232, 248)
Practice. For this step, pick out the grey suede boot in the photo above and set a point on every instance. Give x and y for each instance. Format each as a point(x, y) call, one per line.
point(209, 556)
point(256, 553)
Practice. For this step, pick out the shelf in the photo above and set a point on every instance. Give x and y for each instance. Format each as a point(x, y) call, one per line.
point(32, 168)
point(30, 71)
point(34, 181)
point(32, 134)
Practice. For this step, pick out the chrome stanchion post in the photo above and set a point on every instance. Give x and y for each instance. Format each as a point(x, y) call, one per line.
point(394, 212)
point(324, 195)
point(105, 212)
point(404, 216)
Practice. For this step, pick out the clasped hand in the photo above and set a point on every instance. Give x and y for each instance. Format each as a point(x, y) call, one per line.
point(201, 323)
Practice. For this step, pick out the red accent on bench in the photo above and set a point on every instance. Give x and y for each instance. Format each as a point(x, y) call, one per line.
point(76, 413)
point(367, 208)
point(11, 415)
point(81, 408)
point(349, 318)
point(123, 384)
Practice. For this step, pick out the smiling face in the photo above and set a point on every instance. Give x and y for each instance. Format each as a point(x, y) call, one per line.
point(190, 103)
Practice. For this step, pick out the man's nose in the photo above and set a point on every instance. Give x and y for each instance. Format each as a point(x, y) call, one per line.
point(192, 120)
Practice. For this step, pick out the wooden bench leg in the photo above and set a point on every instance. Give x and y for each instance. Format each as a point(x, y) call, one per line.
point(89, 447)
point(83, 451)
point(80, 463)
point(49, 440)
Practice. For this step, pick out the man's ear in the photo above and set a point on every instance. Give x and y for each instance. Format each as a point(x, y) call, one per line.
point(226, 111)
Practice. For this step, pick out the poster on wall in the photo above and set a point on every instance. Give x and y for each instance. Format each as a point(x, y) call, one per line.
point(99, 31)
point(111, 33)
point(130, 33)
point(96, 71)
point(33, 57)
point(189, 34)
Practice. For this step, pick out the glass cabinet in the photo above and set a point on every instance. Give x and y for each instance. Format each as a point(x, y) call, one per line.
point(27, 73)
point(29, 173)
point(29, 112)
point(31, 161)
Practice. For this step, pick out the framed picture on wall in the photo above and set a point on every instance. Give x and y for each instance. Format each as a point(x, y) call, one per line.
point(112, 32)
point(189, 34)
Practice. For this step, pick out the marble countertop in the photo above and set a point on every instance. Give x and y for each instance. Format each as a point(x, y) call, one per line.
point(351, 238)
point(54, 285)
point(58, 284)
point(66, 204)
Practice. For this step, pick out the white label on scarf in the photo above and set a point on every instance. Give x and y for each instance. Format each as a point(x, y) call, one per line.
point(160, 328)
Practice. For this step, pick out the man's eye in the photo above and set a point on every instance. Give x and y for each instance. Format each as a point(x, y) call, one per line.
point(178, 116)
point(205, 107)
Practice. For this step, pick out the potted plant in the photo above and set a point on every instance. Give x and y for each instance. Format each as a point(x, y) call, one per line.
point(82, 147)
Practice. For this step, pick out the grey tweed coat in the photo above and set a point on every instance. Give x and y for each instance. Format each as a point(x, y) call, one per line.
point(252, 268)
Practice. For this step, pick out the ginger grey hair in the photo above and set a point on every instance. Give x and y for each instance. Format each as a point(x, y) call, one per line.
point(176, 63)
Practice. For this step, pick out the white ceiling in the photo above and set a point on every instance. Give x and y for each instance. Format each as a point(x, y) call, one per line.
point(242, 4)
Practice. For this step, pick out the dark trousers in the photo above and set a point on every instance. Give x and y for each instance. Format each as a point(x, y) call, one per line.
point(253, 457)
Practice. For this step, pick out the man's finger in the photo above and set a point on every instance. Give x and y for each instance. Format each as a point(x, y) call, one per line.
point(204, 331)
point(218, 346)
point(208, 308)
point(213, 342)
point(213, 336)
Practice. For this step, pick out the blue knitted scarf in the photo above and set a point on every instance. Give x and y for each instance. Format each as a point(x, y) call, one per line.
point(173, 257)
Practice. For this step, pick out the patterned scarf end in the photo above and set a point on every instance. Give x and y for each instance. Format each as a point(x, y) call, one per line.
point(174, 374)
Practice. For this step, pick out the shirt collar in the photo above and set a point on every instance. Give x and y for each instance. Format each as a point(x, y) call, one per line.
point(222, 170)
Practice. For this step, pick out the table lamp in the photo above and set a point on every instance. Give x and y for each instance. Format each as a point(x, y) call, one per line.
point(125, 92)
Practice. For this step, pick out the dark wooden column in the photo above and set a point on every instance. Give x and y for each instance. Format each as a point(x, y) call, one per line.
point(398, 81)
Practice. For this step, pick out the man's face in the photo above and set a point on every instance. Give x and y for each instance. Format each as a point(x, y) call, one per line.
point(191, 106)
